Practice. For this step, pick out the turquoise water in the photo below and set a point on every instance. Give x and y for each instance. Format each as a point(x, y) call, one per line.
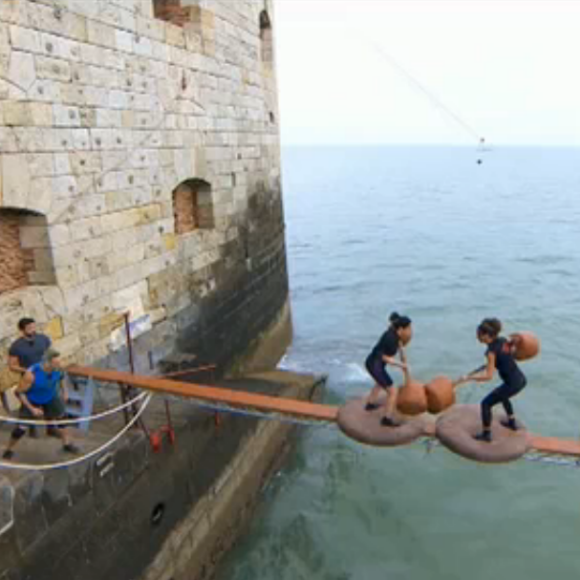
point(430, 233)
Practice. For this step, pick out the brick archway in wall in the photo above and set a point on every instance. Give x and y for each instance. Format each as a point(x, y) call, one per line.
point(193, 206)
point(25, 252)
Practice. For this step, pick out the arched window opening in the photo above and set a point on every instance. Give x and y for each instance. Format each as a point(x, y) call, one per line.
point(170, 11)
point(266, 38)
point(162, 8)
point(192, 206)
point(25, 252)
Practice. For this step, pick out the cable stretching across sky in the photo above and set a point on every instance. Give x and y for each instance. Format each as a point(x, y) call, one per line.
point(420, 88)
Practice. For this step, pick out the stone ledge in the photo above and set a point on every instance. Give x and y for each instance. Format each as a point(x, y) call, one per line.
point(6, 505)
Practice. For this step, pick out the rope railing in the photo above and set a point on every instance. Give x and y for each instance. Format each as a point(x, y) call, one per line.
point(71, 462)
point(85, 419)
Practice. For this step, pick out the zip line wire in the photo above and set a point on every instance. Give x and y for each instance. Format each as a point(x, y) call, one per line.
point(421, 89)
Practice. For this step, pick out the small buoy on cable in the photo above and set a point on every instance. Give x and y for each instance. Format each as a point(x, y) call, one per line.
point(412, 399)
point(527, 345)
point(440, 394)
point(481, 149)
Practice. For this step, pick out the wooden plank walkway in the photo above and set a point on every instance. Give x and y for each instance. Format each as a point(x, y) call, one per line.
point(241, 399)
point(555, 446)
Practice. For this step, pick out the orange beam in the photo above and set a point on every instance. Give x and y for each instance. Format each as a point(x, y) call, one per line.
point(211, 394)
point(292, 407)
point(556, 446)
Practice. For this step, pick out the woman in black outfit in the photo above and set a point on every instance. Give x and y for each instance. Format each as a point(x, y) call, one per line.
point(500, 356)
point(398, 334)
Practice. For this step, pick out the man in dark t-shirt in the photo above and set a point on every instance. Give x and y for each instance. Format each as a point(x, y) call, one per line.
point(29, 349)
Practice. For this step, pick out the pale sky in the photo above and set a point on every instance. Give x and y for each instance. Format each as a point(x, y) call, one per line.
point(508, 68)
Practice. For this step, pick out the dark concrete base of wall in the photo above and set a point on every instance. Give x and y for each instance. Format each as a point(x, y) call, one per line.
point(264, 354)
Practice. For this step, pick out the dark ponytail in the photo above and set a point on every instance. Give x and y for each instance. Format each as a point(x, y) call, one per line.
point(398, 321)
point(490, 327)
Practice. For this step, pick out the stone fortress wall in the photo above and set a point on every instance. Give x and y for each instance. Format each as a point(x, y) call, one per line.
point(140, 172)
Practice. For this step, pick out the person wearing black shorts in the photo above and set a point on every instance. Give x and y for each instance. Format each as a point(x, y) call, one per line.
point(27, 351)
point(398, 334)
point(500, 356)
point(43, 397)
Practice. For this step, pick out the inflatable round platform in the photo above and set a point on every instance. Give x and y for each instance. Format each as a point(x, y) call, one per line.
point(365, 426)
point(457, 428)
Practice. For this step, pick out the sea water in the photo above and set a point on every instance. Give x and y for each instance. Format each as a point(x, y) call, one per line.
point(432, 234)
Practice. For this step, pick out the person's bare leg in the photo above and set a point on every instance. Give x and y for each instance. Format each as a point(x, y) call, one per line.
point(12, 444)
point(17, 434)
point(373, 398)
point(391, 402)
point(67, 444)
point(389, 407)
point(4, 400)
point(64, 435)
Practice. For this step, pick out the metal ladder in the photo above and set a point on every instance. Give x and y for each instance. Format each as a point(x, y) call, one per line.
point(81, 395)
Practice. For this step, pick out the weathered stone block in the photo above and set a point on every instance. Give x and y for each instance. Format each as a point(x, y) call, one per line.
point(174, 36)
point(22, 70)
point(69, 345)
point(80, 296)
point(62, 165)
point(16, 113)
point(40, 114)
point(101, 34)
point(54, 329)
point(170, 242)
point(109, 323)
point(24, 39)
point(53, 301)
point(66, 116)
point(15, 181)
point(76, 27)
point(52, 68)
point(14, 12)
point(124, 40)
point(5, 46)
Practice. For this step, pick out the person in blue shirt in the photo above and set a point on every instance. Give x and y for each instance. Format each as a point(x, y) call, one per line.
point(40, 394)
point(500, 357)
point(391, 342)
point(26, 351)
